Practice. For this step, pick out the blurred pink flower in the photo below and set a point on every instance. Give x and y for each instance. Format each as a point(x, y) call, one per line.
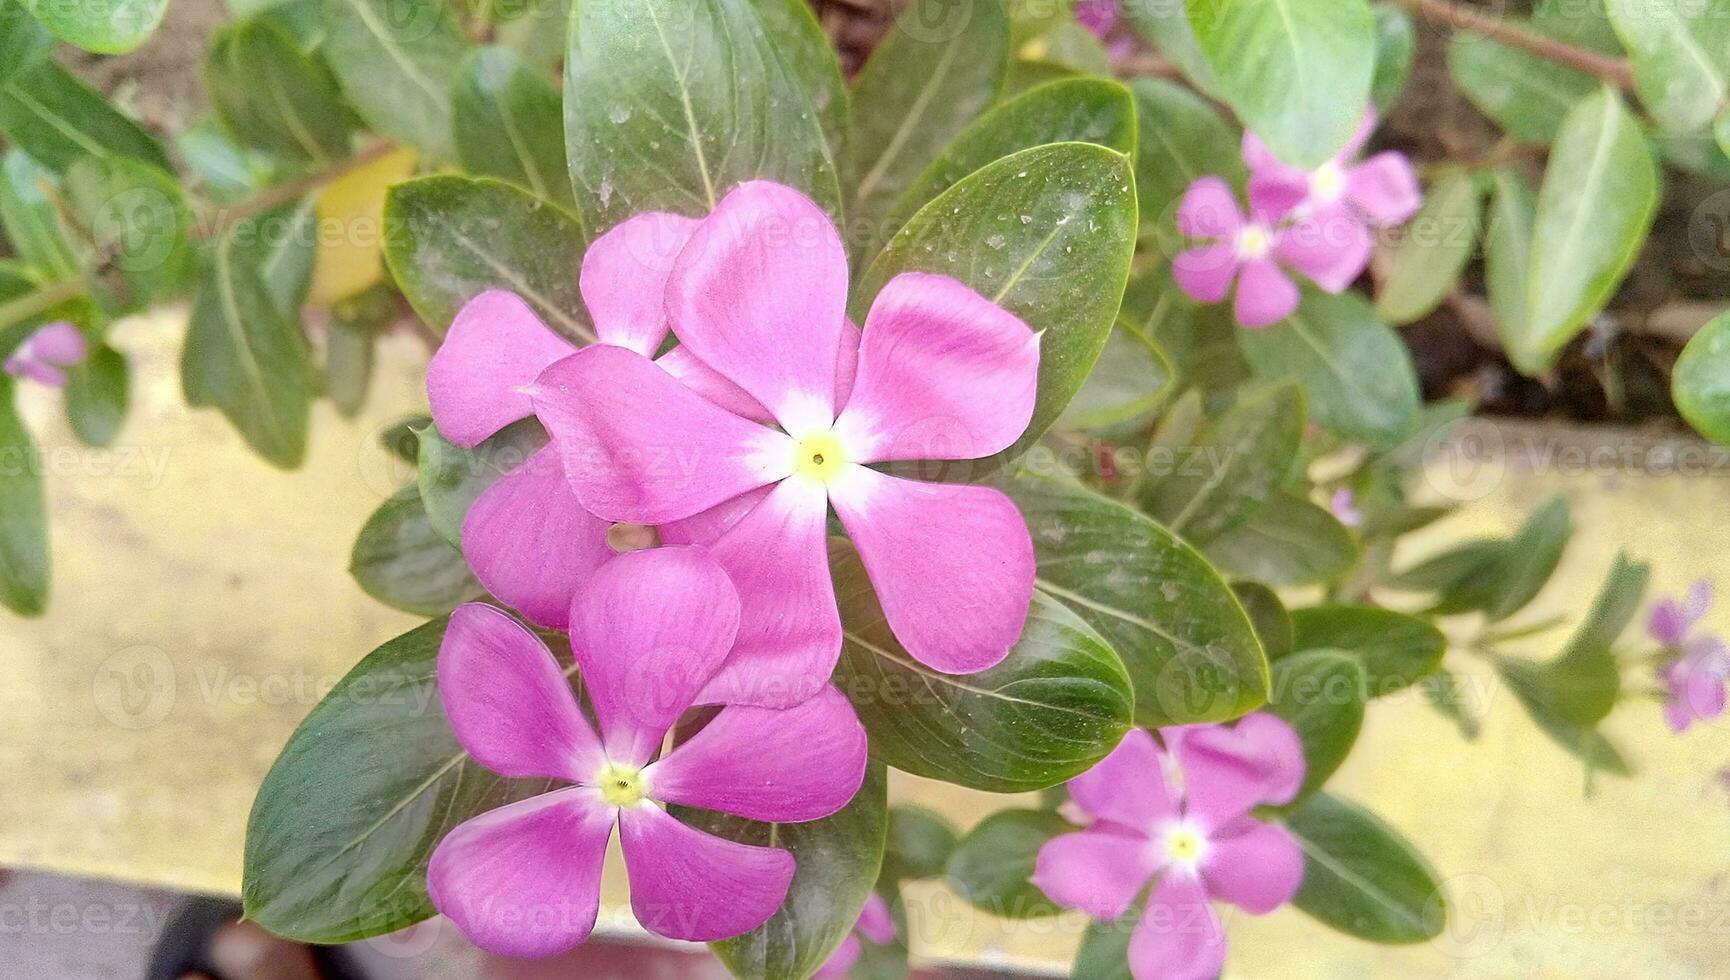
point(1694, 678)
point(648, 631)
point(1098, 16)
point(875, 924)
point(1180, 817)
point(44, 355)
point(1343, 506)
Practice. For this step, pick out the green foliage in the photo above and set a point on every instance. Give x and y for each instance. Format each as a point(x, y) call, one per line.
point(23, 515)
point(1424, 267)
point(401, 560)
point(507, 122)
point(1395, 650)
point(1321, 695)
point(273, 97)
point(1701, 382)
point(451, 477)
point(394, 59)
point(58, 119)
point(918, 844)
point(103, 26)
point(1218, 483)
point(1361, 877)
point(993, 863)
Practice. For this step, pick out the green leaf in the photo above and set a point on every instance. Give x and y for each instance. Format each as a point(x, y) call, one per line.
point(1700, 382)
point(1055, 706)
point(1361, 877)
point(32, 222)
point(1582, 684)
point(1526, 95)
point(992, 866)
point(1533, 687)
point(23, 41)
point(1508, 252)
point(102, 26)
point(1047, 234)
point(1599, 196)
point(1297, 72)
point(97, 392)
point(1190, 650)
point(1104, 951)
point(1182, 139)
point(451, 477)
point(938, 68)
point(1445, 692)
point(400, 560)
point(837, 860)
point(1460, 577)
point(1130, 381)
point(1219, 483)
point(393, 59)
point(669, 104)
point(537, 33)
point(355, 325)
point(1321, 695)
point(1396, 650)
point(1425, 265)
point(1268, 614)
point(1356, 372)
point(138, 221)
point(1529, 559)
point(272, 97)
point(1081, 110)
point(1681, 58)
point(918, 845)
point(1024, 75)
point(448, 239)
point(218, 166)
point(23, 515)
point(57, 119)
point(1166, 26)
point(1289, 541)
point(282, 245)
point(508, 123)
point(1396, 45)
point(1583, 23)
point(341, 831)
point(247, 357)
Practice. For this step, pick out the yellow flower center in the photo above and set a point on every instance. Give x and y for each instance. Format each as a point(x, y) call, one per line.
point(621, 785)
point(1253, 242)
point(1328, 182)
point(819, 457)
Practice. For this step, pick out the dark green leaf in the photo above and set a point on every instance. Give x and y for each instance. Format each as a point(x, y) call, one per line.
point(1396, 649)
point(1289, 541)
point(33, 224)
point(138, 221)
point(508, 123)
point(1396, 43)
point(1131, 379)
point(1424, 267)
point(1701, 381)
point(102, 26)
point(992, 866)
point(1182, 139)
point(451, 477)
point(918, 846)
point(1529, 559)
point(97, 392)
point(1219, 483)
point(1104, 952)
point(1525, 94)
point(23, 515)
point(402, 437)
point(282, 245)
point(1025, 75)
point(1190, 649)
point(402, 562)
point(394, 59)
point(58, 119)
point(1320, 693)
point(1444, 692)
point(355, 325)
point(1533, 687)
point(272, 97)
point(1584, 682)
point(1268, 614)
point(1361, 877)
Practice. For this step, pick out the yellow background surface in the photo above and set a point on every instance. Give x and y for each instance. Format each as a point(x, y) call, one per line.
point(201, 607)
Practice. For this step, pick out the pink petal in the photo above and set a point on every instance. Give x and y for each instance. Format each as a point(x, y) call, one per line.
point(1331, 246)
point(649, 630)
point(1272, 197)
point(1669, 624)
point(1385, 188)
point(495, 347)
point(531, 544)
point(711, 384)
point(1128, 787)
point(1209, 210)
point(1229, 771)
point(781, 766)
point(952, 565)
point(46, 375)
point(686, 884)
point(640, 447)
point(759, 295)
point(58, 343)
point(1265, 295)
point(1695, 605)
point(875, 922)
point(1097, 871)
point(841, 961)
point(704, 527)
point(508, 701)
point(1359, 139)
point(790, 634)
point(1254, 865)
point(1178, 937)
point(944, 373)
point(525, 880)
point(1205, 274)
point(624, 279)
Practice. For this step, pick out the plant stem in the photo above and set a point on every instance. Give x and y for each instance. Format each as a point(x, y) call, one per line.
point(46, 298)
point(1612, 70)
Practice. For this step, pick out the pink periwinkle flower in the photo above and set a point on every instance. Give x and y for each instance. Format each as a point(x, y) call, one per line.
point(1695, 677)
point(875, 924)
point(1346, 197)
point(45, 355)
point(648, 631)
point(1343, 505)
point(1179, 817)
point(766, 427)
point(1100, 17)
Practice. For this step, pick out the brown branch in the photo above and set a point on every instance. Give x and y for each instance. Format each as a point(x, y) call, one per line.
point(218, 220)
point(1612, 70)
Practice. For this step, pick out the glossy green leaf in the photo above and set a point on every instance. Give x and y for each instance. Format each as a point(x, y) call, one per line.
point(670, 103)
point(33, 223)
point(394, 59)
point(1396, 649)
point(1680, 53)
point(1024, 75)
point(837, 860)
point(1268, 615)
point(1045, 233)
point(23, 41)
point(23, 515)
point(400, 560)
point(1191, 651)
point(450, 238)
point(451, 477)
point(508, 123)
point(273, 97)
point(102, 26)
point(1700, 383)
point(1081, 110)
point(1289, 541)
point(1131, 379)
point(918, 845)
point(1529, 559)
point(1361, 877)
point(938, 68)
point(1396, 46)
point(58, 119)
point(97, 393)
point(1055, 706)
point(1217, 484)
point(1599, 196)
point(138, 220)
point(1182, 139)
point(1297, 72)
point(341, 831)
point(1321, 695)
point(992, 866)
point(1356, 372)
point(1526, 95)
point(1423, 268)
point(1508, 251)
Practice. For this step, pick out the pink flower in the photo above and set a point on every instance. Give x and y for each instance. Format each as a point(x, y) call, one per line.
point(1673, 621)
point(1179, 817)
point(757, 299)
point(648, 631)
point(1100, 17)
point(1343, 506)
point(46, 353)
point(875, 924)
point(1380, 192)
point(1694, 679)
